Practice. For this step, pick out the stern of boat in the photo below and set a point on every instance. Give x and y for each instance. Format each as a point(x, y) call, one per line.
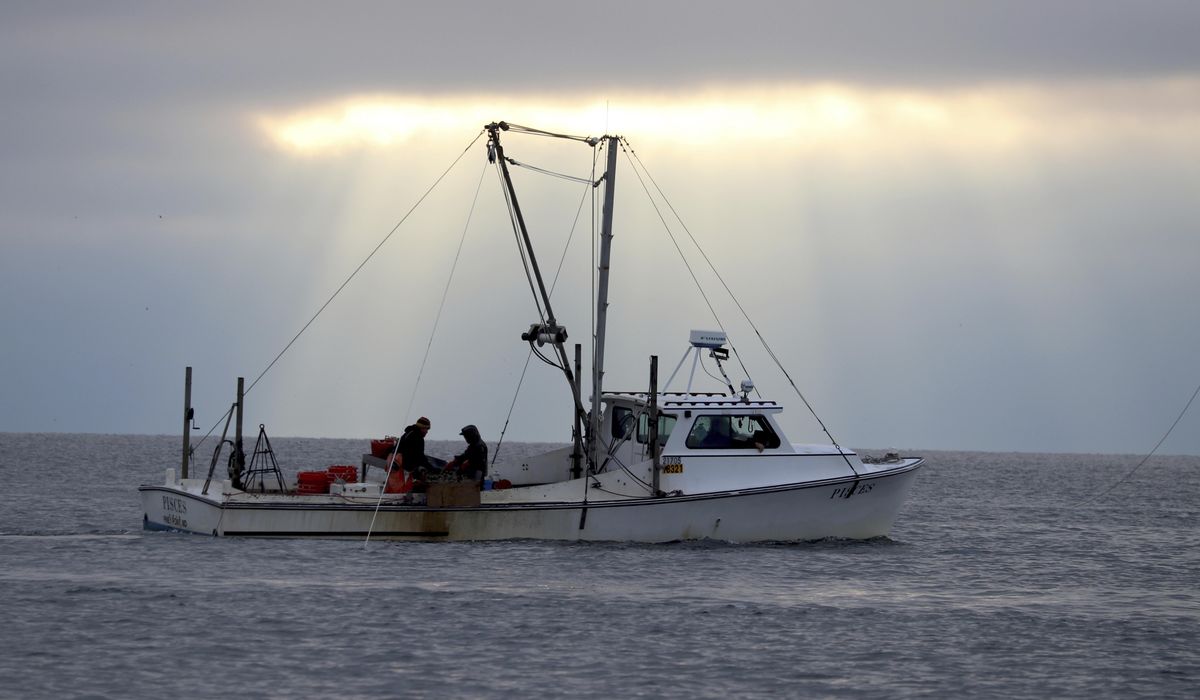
point(181, 505)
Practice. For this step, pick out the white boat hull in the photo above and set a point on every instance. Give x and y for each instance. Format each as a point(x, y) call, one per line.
point(788, 512)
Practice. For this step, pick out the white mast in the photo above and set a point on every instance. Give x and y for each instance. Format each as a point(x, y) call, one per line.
point(610, 178)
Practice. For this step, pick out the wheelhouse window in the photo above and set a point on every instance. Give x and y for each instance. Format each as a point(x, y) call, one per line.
point(622, 422)
point(732, 433)
point(665, 425)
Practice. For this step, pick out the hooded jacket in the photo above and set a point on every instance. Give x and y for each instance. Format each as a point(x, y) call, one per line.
point(474, 459)
point(412, 447)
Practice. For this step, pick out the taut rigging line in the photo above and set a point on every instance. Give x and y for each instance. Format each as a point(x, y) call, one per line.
point(632, 156)
point(338, 291)
point(1145, 459)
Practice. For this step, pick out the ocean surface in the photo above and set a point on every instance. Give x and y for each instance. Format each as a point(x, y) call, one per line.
point(1000, 580)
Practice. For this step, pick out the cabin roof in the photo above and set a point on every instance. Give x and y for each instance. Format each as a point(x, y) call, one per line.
point(694, 401)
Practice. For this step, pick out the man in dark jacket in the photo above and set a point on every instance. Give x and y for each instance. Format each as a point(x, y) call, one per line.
point(472, 463)
point(412, 446)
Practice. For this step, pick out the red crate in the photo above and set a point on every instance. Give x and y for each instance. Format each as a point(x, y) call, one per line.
point(347, 473)
point(313, 482)
point(383, 448)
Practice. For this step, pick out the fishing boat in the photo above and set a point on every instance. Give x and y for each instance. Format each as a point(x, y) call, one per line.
point(645, 465)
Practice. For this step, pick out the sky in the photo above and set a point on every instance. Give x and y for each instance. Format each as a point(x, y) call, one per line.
point(963, 226)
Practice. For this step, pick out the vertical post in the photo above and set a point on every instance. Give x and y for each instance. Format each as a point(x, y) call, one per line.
point(610, 182)
point(577, 431)
point(187, 421)
point(239, 456)
point(655, 479)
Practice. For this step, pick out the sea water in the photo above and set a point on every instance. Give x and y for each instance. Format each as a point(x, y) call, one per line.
point(1000, 579)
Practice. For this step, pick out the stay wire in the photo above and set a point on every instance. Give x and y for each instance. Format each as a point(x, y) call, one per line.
point(678, 249)
point(633, 154)
point(594, 269)
point(630, 152)
point(553, 284)
point(445, 292)
point(588, 439)
point(391, 463)
point(512, 215)
point(544, 171)
point(347, 281)
point(517, 128)
point(1151, 453)
point(512, 406)
point(721, 279)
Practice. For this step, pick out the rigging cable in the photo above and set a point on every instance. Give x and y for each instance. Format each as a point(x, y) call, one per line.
point(513, 405)
point(630, 152)
point(553, 283)
point(350, 277)
point(682, 257)
point(517, 128)
point(611, 456)
point(587, 476)
point(445, 292)
point(545, 359)
point(1151, 453)
point(432, 334)
point(704, 367)
point(512, 215)
point(544, 171)
point(737, 303)
point(595, 270)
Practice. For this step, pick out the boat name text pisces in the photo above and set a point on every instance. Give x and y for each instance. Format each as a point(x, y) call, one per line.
point(174, 511)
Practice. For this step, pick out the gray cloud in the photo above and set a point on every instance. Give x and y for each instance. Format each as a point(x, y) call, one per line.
point(1038, 297)
point(286, 51)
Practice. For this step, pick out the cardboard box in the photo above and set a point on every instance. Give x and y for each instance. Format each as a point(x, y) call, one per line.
point(464, 493)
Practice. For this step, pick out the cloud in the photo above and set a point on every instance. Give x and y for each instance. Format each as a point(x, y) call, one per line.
point(289, 52)
point(855, 121)
point(961, 225)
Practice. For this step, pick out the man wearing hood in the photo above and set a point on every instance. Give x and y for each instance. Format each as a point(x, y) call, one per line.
point(472, 463)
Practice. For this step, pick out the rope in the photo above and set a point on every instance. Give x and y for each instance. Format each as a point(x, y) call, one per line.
point(432, 334)
point(554, 283)
point(382, 490)
point(594, 274)
point(512, 215)
point(678, 218)
point(511, 407)
point(446, 291)
point(517, 128)
point(704, 367)
point(352, 275)
point(671, 235)
point(595, 269)
point(1151, 453)
point(631, 154)
point(562, 176)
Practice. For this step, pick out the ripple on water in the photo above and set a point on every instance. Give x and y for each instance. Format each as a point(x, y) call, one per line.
point(997, 581)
